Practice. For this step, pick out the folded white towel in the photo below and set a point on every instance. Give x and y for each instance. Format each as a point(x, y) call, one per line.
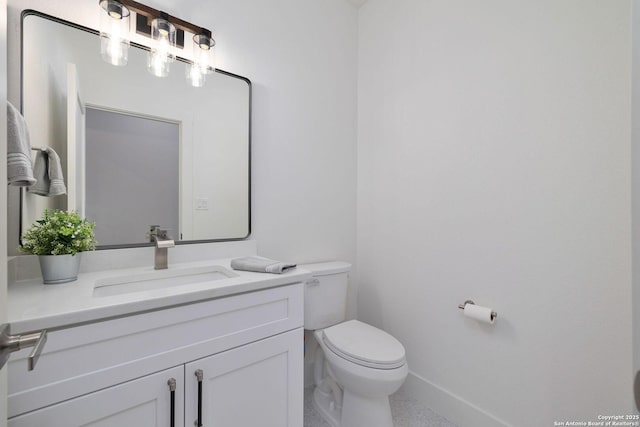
point(48, 171)
point(261, 265)
point(19, 171)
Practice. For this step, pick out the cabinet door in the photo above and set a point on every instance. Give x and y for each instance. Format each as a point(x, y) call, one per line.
point(258, 384)
point(143, 402)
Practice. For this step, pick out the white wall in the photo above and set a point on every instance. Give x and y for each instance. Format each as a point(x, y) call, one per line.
point(3, 200)
point(301, 58)
point(494, 164)
point(635, 129)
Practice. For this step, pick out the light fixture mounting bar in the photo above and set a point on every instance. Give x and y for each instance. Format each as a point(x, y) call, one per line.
point(152, 13)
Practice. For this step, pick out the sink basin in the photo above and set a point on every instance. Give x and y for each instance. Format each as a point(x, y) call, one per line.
point(161, 279)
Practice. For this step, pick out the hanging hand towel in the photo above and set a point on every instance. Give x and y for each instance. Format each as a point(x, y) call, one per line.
point(19, 172)
point(56, 185)
point(261, 265)
point(48, 171)
point(40, 172)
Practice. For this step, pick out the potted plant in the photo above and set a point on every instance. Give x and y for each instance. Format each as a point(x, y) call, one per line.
point(59, 239)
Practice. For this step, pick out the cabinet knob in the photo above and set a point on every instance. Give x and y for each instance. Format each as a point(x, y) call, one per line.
point(10, 343)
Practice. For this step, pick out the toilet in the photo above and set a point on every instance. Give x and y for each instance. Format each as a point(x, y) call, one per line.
point(357, 366)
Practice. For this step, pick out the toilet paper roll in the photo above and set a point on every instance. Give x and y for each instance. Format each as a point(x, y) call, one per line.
point(479, 313)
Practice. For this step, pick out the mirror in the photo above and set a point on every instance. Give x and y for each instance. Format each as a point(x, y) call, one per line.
point(135, 149)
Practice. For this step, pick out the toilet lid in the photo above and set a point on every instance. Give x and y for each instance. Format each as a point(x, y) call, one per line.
point(365, 345)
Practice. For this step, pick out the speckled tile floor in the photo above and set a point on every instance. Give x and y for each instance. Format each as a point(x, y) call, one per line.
point(406, 411)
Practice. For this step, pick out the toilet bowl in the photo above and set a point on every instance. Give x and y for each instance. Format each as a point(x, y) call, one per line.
point(366, 377)
point(357, 366)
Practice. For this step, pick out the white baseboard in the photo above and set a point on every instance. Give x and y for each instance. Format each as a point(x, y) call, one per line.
point(447, 404)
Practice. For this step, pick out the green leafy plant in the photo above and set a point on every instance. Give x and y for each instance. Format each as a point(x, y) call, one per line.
point(59, 233)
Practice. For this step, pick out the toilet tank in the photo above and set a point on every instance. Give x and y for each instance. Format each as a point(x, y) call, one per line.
point(325, 294)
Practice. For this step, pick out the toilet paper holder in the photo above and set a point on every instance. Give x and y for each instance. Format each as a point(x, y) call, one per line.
point(461, 306)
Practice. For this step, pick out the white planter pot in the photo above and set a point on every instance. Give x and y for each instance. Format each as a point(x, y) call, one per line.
point(59, 268)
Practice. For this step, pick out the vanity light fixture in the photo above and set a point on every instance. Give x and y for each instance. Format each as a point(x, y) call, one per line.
point(114, 32)
point(166, 32)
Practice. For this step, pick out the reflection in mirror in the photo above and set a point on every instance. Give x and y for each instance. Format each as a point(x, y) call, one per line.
point(136, 149)
point(119, 173)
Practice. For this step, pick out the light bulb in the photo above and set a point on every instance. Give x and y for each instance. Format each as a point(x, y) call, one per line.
point(114, 32)
point(195, 76)
point(203, 52)
point(161, 54)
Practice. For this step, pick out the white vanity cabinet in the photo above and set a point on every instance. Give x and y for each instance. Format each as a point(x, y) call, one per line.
point(144, 402)
point(115, 372)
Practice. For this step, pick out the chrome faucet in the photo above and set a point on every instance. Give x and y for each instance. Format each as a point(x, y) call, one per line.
point(163, 242)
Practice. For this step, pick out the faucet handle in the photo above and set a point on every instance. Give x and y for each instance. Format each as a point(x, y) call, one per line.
point(163, 233)
point(160, 236)
point(153, 231)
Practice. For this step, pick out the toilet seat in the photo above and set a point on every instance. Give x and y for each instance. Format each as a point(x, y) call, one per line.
point(364, 345)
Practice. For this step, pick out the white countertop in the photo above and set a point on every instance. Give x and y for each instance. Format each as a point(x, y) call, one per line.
point(34, 306)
